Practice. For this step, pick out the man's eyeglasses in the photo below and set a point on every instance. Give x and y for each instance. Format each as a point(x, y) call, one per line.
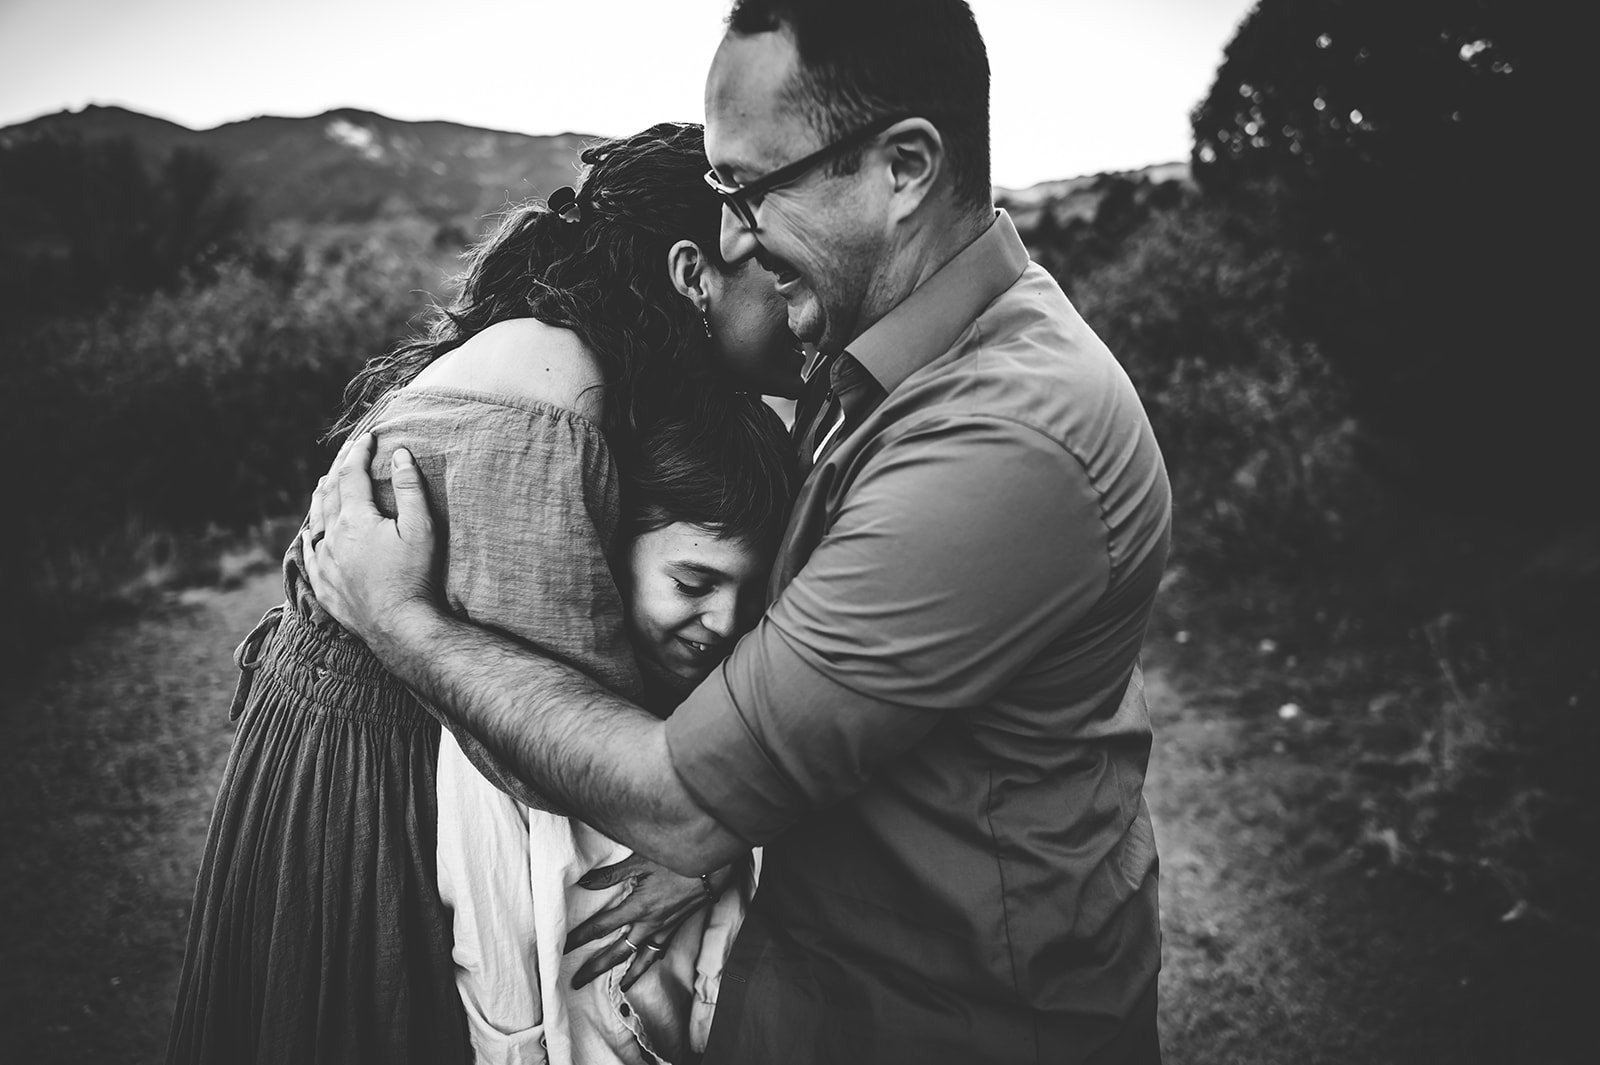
point(738, 197)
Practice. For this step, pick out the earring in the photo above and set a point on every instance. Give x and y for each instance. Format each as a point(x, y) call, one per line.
point(705, 320)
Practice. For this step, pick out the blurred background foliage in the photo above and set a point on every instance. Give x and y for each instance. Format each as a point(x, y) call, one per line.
point(85, 221)
point(1346, 315)
point(168, 370)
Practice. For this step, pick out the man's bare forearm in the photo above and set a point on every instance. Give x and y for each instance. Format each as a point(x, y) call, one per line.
point(566, 736)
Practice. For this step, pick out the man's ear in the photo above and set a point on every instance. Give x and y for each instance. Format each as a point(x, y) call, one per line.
point(916, 161)
point(686, 267)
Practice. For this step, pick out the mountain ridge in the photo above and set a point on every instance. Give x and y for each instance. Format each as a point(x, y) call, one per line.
point(344, 164)
point(348, 164)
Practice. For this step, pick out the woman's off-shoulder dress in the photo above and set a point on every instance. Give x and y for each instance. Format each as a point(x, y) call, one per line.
point(318, 935)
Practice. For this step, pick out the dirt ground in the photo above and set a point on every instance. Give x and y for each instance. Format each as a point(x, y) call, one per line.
point(116, 744)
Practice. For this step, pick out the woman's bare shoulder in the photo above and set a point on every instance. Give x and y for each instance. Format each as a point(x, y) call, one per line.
point(525, 359)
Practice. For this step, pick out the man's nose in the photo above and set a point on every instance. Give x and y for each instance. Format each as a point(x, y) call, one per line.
point(736, 242)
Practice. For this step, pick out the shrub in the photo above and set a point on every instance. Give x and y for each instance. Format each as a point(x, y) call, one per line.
point(189, 410)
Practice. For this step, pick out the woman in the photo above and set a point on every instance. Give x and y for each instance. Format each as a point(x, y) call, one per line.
point(318, 933)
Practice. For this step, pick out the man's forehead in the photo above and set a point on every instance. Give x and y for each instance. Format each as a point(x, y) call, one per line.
point(751, 116)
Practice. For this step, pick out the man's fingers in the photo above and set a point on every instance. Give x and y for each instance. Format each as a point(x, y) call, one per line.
point(316, 519)
point(641, 963)
point(651, 948)
point(350, 442)
point(603, 924)
point(410, 500)
point(604, 960)
point(356, 450)
point(351, 486)
point(605, 876)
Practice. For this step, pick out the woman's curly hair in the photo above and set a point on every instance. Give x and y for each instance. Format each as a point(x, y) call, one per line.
point(604, 277)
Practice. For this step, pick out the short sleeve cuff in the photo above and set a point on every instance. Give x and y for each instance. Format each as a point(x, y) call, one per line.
point(724, 768)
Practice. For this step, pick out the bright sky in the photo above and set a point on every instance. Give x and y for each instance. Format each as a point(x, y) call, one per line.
point(1080, 86)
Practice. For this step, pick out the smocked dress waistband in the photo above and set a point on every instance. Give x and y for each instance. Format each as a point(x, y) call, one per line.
point(332, 671)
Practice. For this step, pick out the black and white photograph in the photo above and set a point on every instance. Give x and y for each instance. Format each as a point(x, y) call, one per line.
point(797, 532)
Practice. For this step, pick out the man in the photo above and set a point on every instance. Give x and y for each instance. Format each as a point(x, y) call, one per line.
point(938, 731)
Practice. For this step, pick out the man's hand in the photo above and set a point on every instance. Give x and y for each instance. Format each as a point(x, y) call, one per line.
point(372, 573)
point(657, 903)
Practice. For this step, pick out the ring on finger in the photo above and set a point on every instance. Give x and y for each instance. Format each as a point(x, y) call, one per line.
point(632, 946)
point(653, 946)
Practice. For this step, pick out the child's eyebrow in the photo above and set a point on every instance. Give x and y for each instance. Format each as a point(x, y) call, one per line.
point(698, 567)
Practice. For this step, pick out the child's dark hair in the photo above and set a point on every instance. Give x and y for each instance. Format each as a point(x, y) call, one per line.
point(723, 462)
point(603, 276)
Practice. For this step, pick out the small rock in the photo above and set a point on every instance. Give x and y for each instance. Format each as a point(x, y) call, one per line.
point(1381, 705)
point(1267, 647)
point(1182, 636)
point(1288, 711)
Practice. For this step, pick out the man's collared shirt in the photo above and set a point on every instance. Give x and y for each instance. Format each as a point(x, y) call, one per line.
point(938, 731)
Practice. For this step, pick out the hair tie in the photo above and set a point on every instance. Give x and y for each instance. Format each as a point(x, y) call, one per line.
point(564, 202)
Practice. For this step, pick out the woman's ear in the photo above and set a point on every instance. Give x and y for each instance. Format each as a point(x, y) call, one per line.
point(686, 267)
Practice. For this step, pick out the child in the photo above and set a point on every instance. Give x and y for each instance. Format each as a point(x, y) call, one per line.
point(705, 500)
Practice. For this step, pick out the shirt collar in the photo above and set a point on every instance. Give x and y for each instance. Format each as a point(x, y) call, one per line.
point(927, 323)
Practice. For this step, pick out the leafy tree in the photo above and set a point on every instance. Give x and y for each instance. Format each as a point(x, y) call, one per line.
point(1404, 140)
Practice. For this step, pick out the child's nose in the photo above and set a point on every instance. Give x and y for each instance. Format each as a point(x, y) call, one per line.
point(720, 614)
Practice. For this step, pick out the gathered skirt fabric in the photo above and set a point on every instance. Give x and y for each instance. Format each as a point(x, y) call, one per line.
point(318, 936)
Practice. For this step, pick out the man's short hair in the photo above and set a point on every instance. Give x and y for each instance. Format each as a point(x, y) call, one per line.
point(862, 59)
